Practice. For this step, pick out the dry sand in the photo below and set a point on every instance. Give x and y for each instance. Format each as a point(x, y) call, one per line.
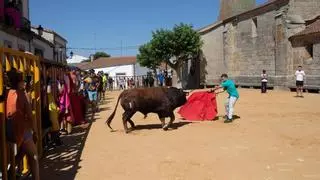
point(276, 137)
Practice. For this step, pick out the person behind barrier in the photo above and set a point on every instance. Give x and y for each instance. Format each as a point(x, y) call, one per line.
point(104, 84)
point(54, 116)
point(19, 115)
point(100, 86)
point(92, 92)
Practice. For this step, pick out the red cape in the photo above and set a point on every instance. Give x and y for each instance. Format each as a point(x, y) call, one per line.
point(201, 106)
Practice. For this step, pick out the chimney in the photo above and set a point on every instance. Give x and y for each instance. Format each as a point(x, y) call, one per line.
point(229, 8)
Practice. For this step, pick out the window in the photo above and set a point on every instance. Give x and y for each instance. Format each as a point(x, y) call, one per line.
point(7, 44)
point(309, 49)
point(254, 27)
point(120, 74)
point(38, 52)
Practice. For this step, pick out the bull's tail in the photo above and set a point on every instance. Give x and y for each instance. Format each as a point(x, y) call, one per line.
point(109, 120)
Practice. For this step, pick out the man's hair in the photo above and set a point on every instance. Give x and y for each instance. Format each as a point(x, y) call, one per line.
point(224, 76)
point(14, 78)
point(299, 66)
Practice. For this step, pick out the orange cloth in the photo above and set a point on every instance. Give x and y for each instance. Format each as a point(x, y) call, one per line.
point(18, 108)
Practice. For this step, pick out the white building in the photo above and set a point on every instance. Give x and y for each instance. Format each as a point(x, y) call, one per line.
point(116, 67)
point(15, 26)
point(76, 59)
point(59, 48)
point(16, 33)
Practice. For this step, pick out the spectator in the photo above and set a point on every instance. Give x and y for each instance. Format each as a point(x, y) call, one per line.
point(19, 116)
point(264, 81)
point(300, 81)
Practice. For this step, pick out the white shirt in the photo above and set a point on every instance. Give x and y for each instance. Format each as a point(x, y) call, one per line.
point(264, 78)
point(300, 75)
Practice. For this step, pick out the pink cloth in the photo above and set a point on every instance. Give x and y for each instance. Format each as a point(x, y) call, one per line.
point(15, 15)
point(2, 10)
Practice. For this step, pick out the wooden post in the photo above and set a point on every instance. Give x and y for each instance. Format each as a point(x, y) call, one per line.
point(36, 67)
point(3, 146)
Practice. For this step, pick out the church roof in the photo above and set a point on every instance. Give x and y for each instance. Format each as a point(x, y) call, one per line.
point(266, 7)
point(312, 28)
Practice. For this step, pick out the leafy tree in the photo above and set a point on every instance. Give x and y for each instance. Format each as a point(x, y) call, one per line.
point(173, 47)
point(100, 54)
point(147, 58)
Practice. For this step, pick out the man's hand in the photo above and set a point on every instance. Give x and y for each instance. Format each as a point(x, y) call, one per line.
point(211, 91)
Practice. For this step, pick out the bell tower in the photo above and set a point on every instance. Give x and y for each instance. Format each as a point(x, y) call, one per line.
point(230, 8)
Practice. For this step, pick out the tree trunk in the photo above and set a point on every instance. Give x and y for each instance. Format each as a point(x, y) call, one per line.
point(155, 72)
point(178, 70)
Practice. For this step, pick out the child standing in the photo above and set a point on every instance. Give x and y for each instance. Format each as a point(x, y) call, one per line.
point(229, 86)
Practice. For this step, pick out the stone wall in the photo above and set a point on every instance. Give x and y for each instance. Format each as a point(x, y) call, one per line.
point(212, 61)
point(243, 48)
point(308, 9)
point(316, 53)
point(250, 48)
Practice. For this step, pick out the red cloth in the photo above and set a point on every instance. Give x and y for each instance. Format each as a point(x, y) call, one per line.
point(201, 106)
point(77, 109)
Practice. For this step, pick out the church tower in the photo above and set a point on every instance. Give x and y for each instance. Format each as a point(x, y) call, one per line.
point(230, 8)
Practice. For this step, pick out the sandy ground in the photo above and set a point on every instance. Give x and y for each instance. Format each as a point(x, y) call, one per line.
point(276, 137)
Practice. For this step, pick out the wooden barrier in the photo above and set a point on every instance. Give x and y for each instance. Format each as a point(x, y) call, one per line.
point(28, 65)
point(36, 67)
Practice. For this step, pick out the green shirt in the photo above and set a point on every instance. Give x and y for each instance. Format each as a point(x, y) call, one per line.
point(230, 87)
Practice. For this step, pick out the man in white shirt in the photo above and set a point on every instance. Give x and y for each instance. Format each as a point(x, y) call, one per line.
point(264, 81)
point(300, 81)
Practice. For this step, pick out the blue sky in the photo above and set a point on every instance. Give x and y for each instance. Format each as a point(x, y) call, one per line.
point(107, 23)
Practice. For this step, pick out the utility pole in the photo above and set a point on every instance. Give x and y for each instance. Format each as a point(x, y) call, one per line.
point(95, 48)
point(121, 48)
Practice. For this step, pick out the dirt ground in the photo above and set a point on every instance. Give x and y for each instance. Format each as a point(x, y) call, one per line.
point(276, 137)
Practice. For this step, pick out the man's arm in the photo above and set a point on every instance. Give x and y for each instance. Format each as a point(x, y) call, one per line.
point(216, 88)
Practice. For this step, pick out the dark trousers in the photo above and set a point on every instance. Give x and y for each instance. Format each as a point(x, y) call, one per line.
point(264, 87)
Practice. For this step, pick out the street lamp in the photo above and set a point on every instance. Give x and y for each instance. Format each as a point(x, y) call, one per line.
point(40, 30)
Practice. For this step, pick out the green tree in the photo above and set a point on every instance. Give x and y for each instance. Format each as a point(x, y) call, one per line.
point(100, 54)
point(147, 58)
point(173, 47)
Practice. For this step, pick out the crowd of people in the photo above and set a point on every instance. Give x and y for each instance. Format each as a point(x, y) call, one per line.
point(65, 101)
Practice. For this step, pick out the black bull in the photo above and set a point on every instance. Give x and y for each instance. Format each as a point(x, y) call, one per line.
point(162, 101)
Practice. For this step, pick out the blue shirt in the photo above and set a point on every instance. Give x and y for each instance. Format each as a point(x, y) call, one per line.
point(161, 77)
point(231, 88)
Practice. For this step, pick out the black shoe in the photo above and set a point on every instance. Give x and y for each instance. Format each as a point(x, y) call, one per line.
point(228, 121)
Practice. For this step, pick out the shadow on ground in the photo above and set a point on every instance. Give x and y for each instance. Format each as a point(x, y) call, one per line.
point(158, 126)
point(63, 162)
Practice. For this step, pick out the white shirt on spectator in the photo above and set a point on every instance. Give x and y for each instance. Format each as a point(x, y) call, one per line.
point(264, 78)
point(300, 75)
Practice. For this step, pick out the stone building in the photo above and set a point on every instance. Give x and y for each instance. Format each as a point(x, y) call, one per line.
point(245, 41)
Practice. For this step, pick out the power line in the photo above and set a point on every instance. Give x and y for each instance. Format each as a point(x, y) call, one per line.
point(105, 48)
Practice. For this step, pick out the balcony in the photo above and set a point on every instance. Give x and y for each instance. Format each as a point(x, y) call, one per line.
point(25, 25)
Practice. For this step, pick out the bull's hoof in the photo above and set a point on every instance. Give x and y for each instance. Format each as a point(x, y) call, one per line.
point(128, 131)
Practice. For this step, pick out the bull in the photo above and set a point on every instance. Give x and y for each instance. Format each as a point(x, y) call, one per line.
point(160, 100)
